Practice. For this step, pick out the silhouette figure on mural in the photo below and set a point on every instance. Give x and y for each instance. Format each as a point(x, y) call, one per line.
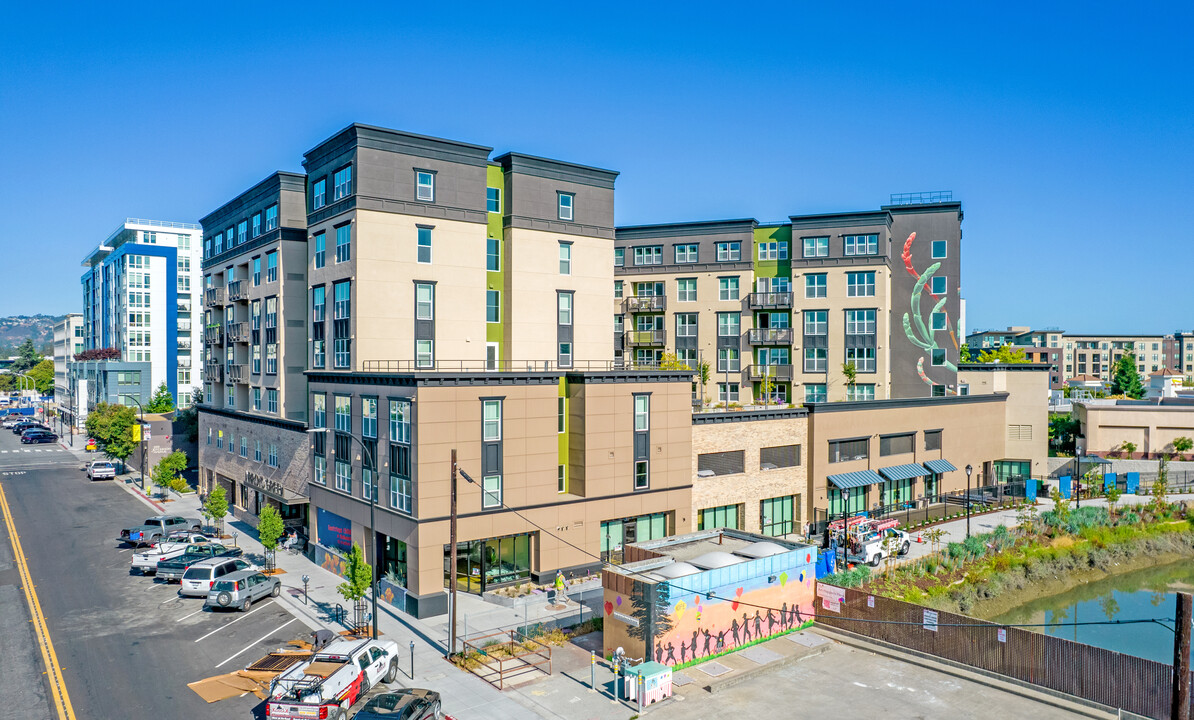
point(758, 625)
point(658, 652)
point(783, 617)
point(695, 634)
point(707, 639)
point(683, 652)
point(745, 627)
point(671, 653)
point(721, 641)
point(796, 619)
point(734, 628)
point(770, 622)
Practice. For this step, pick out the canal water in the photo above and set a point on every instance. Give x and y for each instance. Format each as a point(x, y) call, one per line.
point(1146, 593)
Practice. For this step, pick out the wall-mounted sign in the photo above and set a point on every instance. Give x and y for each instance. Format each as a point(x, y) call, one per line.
point(264, 484)
point(333, 530)
point(1001, 633)
point(931, 620)
point(632, 622)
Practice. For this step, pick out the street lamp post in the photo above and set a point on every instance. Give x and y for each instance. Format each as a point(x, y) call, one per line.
point(845, 528)
point(141, 435)
point(969, 470)
point(1078, 479)
point(368, 456)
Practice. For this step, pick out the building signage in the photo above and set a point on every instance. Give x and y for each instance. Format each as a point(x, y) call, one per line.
point(1001, 633)
point(632, 622)
point(831, 597)
point(931, 620)
point(265, 485)
point(333, 530)
point(870, 601)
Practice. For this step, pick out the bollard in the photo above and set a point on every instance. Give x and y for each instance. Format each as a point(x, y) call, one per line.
point(639, 692)
point(412, 659)
point(592, 671)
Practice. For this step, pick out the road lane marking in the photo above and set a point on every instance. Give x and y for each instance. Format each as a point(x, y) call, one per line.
point(256, 642)
point(242, 617)
point(184, 617)
point(61, 699)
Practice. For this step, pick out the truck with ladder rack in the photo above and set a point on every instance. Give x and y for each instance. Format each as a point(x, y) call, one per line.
point(331, 682)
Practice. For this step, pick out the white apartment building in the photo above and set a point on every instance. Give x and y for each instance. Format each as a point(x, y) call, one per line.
point(68, 340)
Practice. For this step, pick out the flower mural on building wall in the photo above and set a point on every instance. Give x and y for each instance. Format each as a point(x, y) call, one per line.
point(918, 332)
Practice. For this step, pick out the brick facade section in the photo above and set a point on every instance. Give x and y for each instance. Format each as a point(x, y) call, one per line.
point(293, 471)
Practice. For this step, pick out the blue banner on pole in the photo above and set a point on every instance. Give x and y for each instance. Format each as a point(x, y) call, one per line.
point(1030, 490)
point(1109, 481)
point(1063, 485)
point(1133, 483)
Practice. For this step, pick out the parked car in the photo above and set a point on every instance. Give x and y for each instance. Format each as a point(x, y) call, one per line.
point(101, 470)
point(32, 437)
point(198, 578)
point(25, 425)
point(12, 420)
point(240, 589)
point(175, 568)
point(174, 547)
point(156, 528)
point(405, 704)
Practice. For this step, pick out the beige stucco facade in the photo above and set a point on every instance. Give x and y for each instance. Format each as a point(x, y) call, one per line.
point(1151, 428)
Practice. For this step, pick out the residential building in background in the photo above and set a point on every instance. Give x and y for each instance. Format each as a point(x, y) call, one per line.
point(68, 340)
point(784, 306)
point(253, 439)
point(140, 297)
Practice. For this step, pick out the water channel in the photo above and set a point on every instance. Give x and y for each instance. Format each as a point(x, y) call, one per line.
point(1146, 593)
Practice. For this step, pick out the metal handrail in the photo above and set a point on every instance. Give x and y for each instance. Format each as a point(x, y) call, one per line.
point(162, 223)
point(472, 366)
point(770, 300)
point(780, 336)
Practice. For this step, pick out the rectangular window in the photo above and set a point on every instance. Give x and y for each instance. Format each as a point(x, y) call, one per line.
point(491, 491)
point(937, 359)
point(565, 206)
point(650, 255)
point(424, 186)
point(619, 324)
point(779, 456)
point(424, 353)
point(341, 318)
point(619, 257)
point(938, 391)
point(815, 393)
point(369, 417)
point(938, 285)
point(318, 317)
point(343, 416)
point(273, 455)
point(642, 476)
point(686, 253)
point(846, 450)
point(491, 422)
point(729, 324)
point(244, 446)
point(256, 224)
point(896, 444)
point(319, 410)
point(231, 404)
point(565, 308)
point(617, 289)
point(773, 250)
point(271, 266)
point(493, 258)
point(860, 322)
point(400, 421)
point(493, 200)
point(342, 183)
point(424, 249)
point(493, 310)
point(271, 396)
point(686, 290)
point(344, 243)
point(561, 415)
point(725, 516)
point(816, 247)
point(860, 284)
point(729, 251)
point(319, 193)
point(257, 271)
point(860, 392)
point(939, 251)
point(565, 258)
point(727, 288)
point(257, 451)
point(401, 487)
point(686, 324)
point(242, 232)
point(863, 358)
point(777, 516)
point(938, 320)
point(816, 285)
point(727, 392)
point(932, 439)
point(642, 413)
point(816, 322)
point(425, 301)
point(730, 462)
point(565, 355)
point(320, 250)
point(561, 479)
point(728, 360)
point(816, 359)
point(861, 245)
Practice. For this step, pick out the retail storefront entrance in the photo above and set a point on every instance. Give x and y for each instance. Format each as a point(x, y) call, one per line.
point(485, 564)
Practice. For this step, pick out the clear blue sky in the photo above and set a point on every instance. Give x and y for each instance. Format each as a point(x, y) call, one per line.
point(1064, 130)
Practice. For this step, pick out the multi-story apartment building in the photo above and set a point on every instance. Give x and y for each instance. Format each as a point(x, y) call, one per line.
point(68, 340)
point(140, 297)
point(777, 311)
point(253, 420)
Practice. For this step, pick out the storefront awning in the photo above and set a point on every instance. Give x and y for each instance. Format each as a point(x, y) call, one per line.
point(940, 466)
point(861, 478)
point(903, 472)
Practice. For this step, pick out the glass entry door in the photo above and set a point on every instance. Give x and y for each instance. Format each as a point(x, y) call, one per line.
point(484, 564)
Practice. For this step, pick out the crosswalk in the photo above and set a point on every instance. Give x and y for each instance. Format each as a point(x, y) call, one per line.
point(34, 450)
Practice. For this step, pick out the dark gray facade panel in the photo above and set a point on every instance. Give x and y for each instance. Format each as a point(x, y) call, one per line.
point(556, 170)
point(390, 176)
point(532, 201)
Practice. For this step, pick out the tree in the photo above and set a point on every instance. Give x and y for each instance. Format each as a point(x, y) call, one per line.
point(358, 582)
point(215, 508)
point(964, 355)
point(167, 474)
point(850, 370)
point(766, 387)
point(98, 354)
point(162, 401)
point(27, 358)
point(1181, 446)
point(189, 420)
point(42, 375)
point(1128, 448)
point(112, 426)
point(269, 529)
point(703, 371)
point(1161, 487)
point(1113, 495)
point(1004, 355)
point(1125, 379)
point(934, 535)
point(1063, 430)
point(669, 361)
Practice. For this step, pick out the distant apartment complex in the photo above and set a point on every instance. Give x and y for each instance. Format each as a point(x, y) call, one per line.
point(140, 293)
point(68, 341)
point(778, 310)
point(1092, 358)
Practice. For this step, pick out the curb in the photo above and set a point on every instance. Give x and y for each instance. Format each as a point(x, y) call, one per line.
point(717, 686)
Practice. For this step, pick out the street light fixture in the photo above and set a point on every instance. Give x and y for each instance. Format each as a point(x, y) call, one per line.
point(141, 435)
point(845, 528)
point(969, 470)
point(372, 525)
point(1078, 479)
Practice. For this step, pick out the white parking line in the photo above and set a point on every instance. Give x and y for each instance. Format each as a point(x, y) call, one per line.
point(258, 640)
point(184, 617)
point(242, 617)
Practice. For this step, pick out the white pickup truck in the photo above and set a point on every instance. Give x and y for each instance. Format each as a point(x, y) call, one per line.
point(870, 541)
point(176, 544)
point(333, 680)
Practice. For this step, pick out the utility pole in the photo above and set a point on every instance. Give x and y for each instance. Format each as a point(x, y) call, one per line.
point(452, 561)
point(1181, 658)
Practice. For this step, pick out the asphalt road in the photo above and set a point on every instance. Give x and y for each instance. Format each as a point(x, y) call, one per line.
point(128, 645)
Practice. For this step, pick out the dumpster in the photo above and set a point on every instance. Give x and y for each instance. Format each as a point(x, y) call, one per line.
point(657, 682)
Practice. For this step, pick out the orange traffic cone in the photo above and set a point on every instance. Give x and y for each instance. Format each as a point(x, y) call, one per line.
point(918, 538)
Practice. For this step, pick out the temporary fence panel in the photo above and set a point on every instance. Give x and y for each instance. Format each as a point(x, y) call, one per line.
point(1133, 483)
point(1113, 679)
point(1063, 485)
point(1109, 482)
point(1030, 490)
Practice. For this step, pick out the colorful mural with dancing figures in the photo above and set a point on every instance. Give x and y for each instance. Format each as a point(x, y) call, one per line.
point(693, 617)
point(921, 334)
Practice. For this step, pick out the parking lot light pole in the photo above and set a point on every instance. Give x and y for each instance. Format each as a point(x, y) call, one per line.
point(141, 434)
point(969, 469)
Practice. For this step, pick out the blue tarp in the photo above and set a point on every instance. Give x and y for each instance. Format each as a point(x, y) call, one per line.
point(1063, 484)
point(1133, 483)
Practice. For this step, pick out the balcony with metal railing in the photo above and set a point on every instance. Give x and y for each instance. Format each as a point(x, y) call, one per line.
point(213, 296)
point(238, 332)
point(770, 300)
point(238, 291)
point(769, 336)
point(650, 338)
point(184, 326)
point(646, 303)
point(236, 372)
point(778, 373)
point(184, 361)
point(184, 343)
point(213, 372)
point(510, 366)
point(213, 334)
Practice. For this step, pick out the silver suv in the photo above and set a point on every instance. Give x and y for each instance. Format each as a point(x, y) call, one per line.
point(197, 581)
point(241, 588)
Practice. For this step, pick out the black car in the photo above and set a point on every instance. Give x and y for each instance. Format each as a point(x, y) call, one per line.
point(22, 427)
point(175, 568)
point(38, 436)
point(408, 704)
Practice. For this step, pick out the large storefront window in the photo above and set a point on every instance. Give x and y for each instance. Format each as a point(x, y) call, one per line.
point(616, 533)
point(1006, 470)
point(777, 516)
point(393, 560)
point(897, 491)
point(932, 484)
point(725, 516)
point(856, 504)
point(484, 564)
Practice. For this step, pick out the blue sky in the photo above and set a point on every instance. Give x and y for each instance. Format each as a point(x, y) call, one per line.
point(1065, 129)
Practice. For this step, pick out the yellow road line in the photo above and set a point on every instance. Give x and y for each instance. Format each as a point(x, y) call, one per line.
point(57, 685)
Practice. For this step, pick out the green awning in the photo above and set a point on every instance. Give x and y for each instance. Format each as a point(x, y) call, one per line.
point(903, 472)
point(860, 478)
point(940, 466)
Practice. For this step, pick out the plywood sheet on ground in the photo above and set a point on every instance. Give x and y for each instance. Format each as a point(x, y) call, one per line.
point(222, 687)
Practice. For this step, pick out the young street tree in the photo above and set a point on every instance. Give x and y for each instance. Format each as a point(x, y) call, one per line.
point(112, 426)
point(162, 401)
point(42, 375)
point(167, 474)
point(269, 529)
point(27, 358)
point(215, 508)
point(1125, 379)
point(359, 578)
point(1004, 355)
point(1182, 445)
